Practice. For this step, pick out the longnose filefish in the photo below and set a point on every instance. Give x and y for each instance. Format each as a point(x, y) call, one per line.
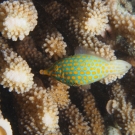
point(84, 69)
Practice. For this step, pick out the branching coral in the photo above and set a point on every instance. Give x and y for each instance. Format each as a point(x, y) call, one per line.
point(2, 46)
point(39, 113)
point(5, 127)
point(77, 121)
point(97, 47)
point(127, 4)
point(16, 73)
point(122, 110)
point(54, 45)
point(34, 57)
point(92, 18)
point(17, 19)
point(59, 93)
point(122, 20)
point(93, 115)
point(53, 108)
point(56, 10)
point(112, 78)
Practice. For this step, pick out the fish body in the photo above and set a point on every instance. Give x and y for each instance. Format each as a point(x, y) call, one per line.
point(83, 69)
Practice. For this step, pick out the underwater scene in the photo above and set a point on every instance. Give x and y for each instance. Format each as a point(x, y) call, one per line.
point(67, 67)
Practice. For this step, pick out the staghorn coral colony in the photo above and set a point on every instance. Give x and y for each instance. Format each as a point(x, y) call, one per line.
point(36, 34)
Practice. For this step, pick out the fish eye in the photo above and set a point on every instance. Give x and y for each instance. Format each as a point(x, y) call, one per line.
point(126, 66)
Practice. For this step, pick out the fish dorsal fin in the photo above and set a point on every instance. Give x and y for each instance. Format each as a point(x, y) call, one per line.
point(84, 50)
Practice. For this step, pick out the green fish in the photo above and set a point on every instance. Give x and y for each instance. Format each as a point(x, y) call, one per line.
point(84, 69)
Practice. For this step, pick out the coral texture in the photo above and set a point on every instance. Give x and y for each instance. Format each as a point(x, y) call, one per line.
point(122, 110)
point(17, 19)
point(39, 113)
point(5, 127)
point(92, 20)
point(96, 121)
point(59, 93)
point(122, 20)
point(77, 120)
point(15, 73)
point(54, 45)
